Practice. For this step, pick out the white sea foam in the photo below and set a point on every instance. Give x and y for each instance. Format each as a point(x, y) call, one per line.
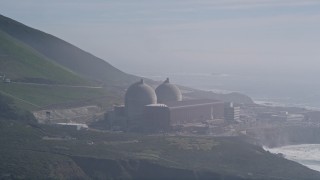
point(305, 154)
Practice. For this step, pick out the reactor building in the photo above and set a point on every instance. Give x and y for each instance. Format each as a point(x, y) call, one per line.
point(161, 109)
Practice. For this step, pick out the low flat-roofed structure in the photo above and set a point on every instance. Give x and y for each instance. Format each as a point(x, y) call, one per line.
point(197, 110)
point(163, 116)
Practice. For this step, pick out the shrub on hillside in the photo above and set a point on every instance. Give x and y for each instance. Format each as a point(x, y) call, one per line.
point(9, 111)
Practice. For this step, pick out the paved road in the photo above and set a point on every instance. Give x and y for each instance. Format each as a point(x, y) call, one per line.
point(51, 85)
point(19, 99)
point(58, 85)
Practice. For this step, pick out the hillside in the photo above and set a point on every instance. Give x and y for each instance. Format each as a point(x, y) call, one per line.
point(61, 152)
point(66, 55)
point(46, 70)
point(38, 81)
point(66, 153)
point(23, 64)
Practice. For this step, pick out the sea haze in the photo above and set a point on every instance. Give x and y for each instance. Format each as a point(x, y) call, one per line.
point(281, 89)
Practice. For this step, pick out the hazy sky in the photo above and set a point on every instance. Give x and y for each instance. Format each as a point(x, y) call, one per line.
point(141, 36)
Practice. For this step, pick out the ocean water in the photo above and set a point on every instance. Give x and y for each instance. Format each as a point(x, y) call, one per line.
point(305, 154)
point(299, 91)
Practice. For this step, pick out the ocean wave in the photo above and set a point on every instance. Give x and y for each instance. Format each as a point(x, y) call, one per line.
point(305, 154)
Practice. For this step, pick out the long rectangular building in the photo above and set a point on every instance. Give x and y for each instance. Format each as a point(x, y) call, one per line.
point(163, 116)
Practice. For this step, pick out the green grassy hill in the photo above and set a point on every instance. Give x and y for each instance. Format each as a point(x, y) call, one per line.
point(21, 63)
point(66, 55)
point(32, 97)
point(38, 81)
point(46, 70)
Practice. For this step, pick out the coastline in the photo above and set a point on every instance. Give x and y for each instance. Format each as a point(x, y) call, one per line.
point(305, 154)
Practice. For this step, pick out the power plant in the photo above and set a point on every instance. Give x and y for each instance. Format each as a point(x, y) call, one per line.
point(164, 108)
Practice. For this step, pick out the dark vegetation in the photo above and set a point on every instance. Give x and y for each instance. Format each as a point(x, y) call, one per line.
point(8, 110)
point(33, 151)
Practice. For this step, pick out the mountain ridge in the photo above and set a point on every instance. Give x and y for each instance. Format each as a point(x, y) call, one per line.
point(21, 62)
point(66, 54)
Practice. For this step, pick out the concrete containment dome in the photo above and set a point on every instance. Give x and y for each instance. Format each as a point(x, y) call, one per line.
point(137, 96)
point(167, 92)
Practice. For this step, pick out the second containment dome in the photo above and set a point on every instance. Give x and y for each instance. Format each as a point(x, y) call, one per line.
point(167, 92)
